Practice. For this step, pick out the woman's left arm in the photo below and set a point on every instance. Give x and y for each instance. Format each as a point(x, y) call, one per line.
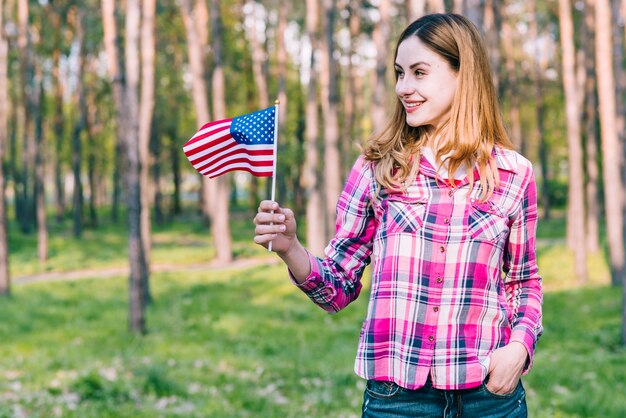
point(524, 295)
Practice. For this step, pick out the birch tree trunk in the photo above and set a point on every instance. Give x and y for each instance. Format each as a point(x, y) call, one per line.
point(611, 149)
point(146, 110)
point(221, 226)
point(381, 37)
point(5, 278)
point(314, 211)
point(330, 109)
point(576, 200)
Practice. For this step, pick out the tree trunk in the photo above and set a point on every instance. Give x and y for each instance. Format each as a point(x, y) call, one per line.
point(174, 152)
point(438, 6)
point(492, 20)
point(146, 111)
point(78, 200)
point(611, 149)
point(591, 132)
point(221, 226)
point(138, 263)
point(58, 119)
point(259, 58)
point(415, 9)
point(330, 109)
point(199, 95)
point(351, 107)
point(25, 118)
point(281, 59)
point(473, 10)
point(5, 278)
point(40, 193)
point(310, 177)
point(381, 37)
point(576, 199)
point(125, 100)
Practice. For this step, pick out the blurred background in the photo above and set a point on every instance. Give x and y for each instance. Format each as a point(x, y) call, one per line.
point(130, 284)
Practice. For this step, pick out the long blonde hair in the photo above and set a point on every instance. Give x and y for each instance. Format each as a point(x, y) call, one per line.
point(475, 124)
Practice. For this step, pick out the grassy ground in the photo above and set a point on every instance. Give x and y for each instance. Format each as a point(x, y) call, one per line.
point(246, 343)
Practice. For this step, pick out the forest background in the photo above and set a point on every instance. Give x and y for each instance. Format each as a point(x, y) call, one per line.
point(97, 99)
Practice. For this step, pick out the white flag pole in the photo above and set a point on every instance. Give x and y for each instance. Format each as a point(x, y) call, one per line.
point(273, 198)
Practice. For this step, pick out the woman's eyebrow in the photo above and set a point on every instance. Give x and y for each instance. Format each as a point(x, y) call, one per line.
point(412, 66)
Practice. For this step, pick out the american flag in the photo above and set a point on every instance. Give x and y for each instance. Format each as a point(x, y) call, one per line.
point(241, 143)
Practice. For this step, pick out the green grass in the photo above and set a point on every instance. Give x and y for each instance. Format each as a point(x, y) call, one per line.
point(182, 242)
point(247, 343)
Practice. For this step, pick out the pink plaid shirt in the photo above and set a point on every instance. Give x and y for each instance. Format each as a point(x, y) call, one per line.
point(453, 278)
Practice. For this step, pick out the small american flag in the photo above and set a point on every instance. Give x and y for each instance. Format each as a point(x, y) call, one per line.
point(241, 143)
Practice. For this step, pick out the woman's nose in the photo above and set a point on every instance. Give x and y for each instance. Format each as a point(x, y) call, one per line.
point(404, 87)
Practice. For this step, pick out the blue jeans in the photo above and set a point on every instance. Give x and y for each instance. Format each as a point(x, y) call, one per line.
point(388, 400)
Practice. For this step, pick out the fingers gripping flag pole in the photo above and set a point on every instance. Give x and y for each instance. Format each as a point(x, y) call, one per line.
point(273, 198)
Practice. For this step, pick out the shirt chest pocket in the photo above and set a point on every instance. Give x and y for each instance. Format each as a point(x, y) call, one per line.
point(405, 214)
point(486, 222)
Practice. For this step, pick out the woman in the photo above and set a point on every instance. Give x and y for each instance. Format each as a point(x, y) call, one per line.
point(447, 211)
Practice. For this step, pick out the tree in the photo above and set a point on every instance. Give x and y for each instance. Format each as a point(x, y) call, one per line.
point(590, 118)
point(611, 149)
point(79, 127)
point(146, 109)
point(381, 37)
point(330, 109)
point(126, 112)
point(576, 199)
point(415, 9)
point(5, 279)
point(221, 190)
point(314, 212)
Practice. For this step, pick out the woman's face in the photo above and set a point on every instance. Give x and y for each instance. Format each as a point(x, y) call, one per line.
point(425, 84)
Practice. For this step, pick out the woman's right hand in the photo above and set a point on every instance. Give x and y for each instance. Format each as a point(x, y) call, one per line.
point(277, 225)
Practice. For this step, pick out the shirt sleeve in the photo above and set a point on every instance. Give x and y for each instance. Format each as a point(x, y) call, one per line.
point(522, 280)
point(335, 280)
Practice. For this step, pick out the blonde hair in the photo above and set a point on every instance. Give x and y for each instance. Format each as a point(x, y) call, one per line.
point(475, 124)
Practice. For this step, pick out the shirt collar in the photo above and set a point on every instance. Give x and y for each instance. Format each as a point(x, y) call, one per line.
point(505, 160)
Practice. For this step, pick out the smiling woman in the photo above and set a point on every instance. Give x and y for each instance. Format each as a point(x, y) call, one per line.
point(446, 212)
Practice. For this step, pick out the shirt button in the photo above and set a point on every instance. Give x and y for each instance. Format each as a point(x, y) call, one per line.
point(431, 338)
point(439, 280)
point(436, 309)
point(450, 193)
point(442, 249)
point(446, 220)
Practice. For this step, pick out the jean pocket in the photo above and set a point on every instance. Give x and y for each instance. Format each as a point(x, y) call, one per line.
point(405, 214)
point(381, 389)
point(516, 392)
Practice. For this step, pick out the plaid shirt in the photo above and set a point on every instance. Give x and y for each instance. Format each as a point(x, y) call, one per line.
point(453, 278)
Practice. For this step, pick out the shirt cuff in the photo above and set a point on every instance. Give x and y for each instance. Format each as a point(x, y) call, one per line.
point(528, 340)
point(315, 287)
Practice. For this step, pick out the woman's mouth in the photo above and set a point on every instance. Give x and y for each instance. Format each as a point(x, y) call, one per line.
point(412, 106)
